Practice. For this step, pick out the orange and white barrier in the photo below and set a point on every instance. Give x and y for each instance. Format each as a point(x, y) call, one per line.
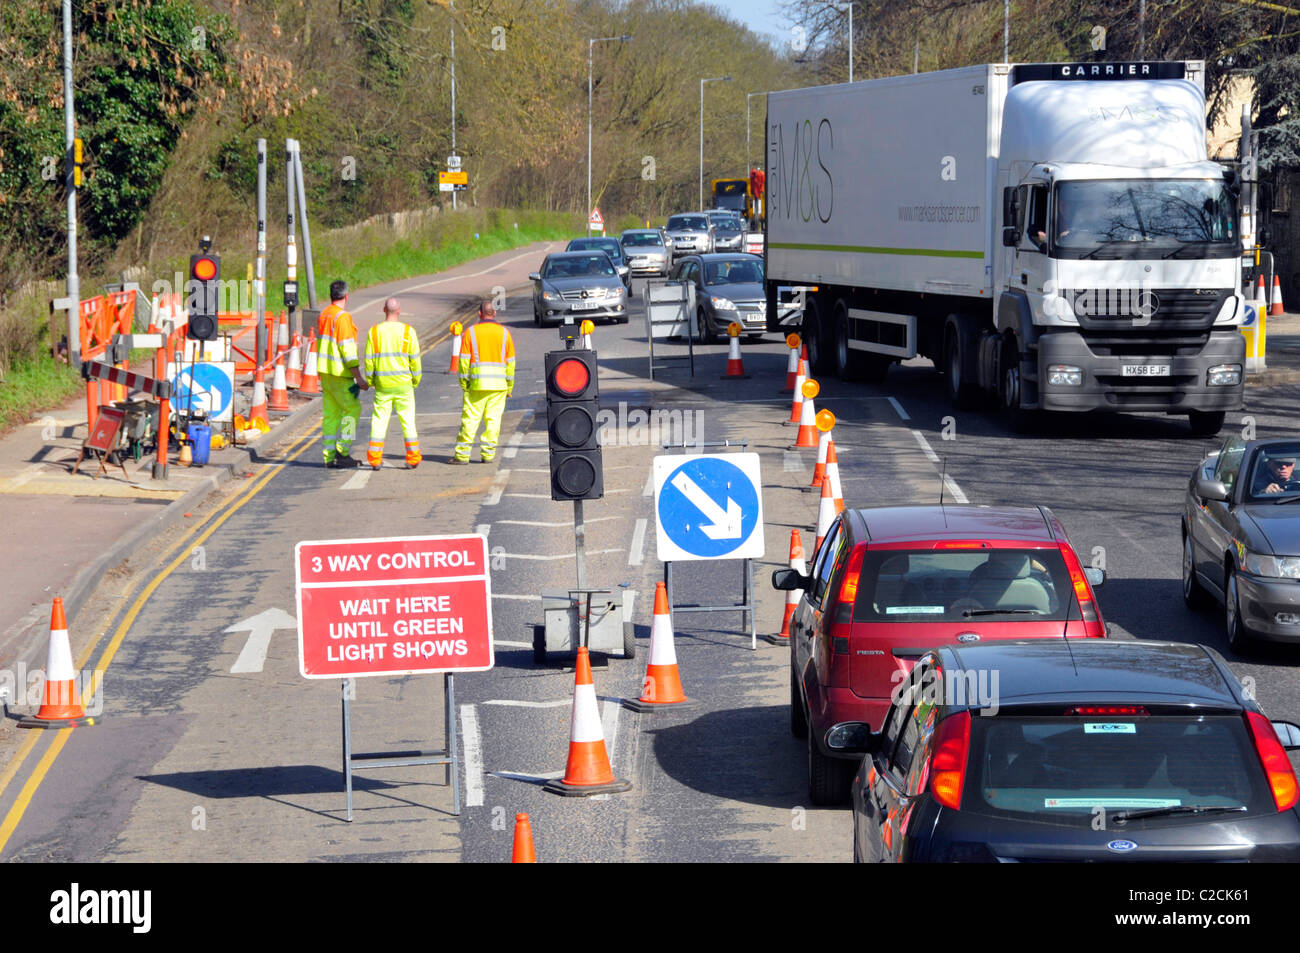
point(310, 379)
point(662, 686)
point(456, 330)
point(1275, 307)
point(800, 378)
point(792, 365)
point(833, 476)
point(735, 365)
point(807, 438)
point(293, 370)
point(588, 770)
point(60, 706)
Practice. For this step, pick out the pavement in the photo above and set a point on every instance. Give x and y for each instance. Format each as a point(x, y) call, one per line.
point(65, 531)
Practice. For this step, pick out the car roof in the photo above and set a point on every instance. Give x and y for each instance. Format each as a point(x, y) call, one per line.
point(1082, 670)
point(641, 231)
point(727, 256)
point(884, 524)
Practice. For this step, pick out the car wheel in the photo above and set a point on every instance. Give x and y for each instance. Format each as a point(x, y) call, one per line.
point(798, 723)
point(828, 778)
point(1238, 634)
point(1206, 423)
point(537, 316)
point(1194, 593)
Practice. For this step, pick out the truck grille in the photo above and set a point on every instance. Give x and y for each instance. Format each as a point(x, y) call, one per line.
point(1181, 309)
point(1142, 343)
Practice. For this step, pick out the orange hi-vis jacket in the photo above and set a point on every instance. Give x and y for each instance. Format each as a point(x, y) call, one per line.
point(336, 342)
point(487, 357)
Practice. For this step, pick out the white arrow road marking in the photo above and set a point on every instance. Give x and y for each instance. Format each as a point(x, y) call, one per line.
point(259, 628)
point(723, 524)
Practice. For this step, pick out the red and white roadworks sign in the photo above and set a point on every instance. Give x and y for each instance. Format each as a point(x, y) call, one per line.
point(403, 606)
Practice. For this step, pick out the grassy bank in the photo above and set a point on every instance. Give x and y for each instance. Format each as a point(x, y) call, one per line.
point(364, 256)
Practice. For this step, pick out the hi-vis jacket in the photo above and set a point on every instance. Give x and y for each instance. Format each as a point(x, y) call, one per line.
point(487, 357)
point(393, 357)
point(336, 342)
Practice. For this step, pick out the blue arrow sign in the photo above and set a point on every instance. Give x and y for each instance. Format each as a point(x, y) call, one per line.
point(207, 386)
point(709, 508)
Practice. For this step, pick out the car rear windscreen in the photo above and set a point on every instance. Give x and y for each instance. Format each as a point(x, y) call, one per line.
point(1070, 769)
point(958, 585)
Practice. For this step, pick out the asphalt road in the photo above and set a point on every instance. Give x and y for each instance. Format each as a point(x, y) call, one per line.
point(194, 761)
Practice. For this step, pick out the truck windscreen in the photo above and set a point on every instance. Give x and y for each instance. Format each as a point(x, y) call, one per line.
point(1143, 218)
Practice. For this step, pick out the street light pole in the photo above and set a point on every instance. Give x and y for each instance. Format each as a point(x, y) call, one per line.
point(748, 162)
point(712, 79)
point(591, 43)
point(849, 7)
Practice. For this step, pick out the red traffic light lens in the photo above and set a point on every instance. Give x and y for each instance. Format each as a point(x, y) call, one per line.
point(204, 269)
point(571, 377)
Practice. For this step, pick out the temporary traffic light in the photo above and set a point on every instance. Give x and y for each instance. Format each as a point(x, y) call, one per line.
point(205, 277)
point(572, 405)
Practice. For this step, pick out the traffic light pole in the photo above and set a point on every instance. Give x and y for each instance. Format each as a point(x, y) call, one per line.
point(259, 286)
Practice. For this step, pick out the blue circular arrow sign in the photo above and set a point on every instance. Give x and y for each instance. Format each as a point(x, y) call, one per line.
point(209, 385)
point(708, 507)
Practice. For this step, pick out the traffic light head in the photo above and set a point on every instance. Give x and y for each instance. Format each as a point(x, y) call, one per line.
point(572, 406)
point(202, 297)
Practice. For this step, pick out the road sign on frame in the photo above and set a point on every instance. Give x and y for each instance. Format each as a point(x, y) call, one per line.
point(708, 507)
point(397, 606)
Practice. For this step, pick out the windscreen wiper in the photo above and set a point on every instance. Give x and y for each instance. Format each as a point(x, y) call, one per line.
point(1123, 817)
point(970, 613)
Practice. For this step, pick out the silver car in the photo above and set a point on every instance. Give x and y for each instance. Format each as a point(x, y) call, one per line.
point(691, 234)
point(576, 285)
point(728, 232)
point(646, 251)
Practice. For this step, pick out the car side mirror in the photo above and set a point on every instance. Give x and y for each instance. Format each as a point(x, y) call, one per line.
point(1096, 577)
point(1212, 490)
point(623, 270)
point(1288, 734)
point(852, 737)
point(788, 580)
point(1009, 236)
point(535, 276)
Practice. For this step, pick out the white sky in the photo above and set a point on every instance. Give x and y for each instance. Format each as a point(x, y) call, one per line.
point(761, 16)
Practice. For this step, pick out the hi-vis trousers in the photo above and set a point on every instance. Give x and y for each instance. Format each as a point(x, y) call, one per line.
point(480, 405)
point(388, 402)
point(340, 411)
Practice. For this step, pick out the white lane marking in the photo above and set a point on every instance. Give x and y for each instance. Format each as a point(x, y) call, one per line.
point(499, 487)
point(505, 644)
point(590, 552)
point(534, 778)
point(925, 446)
point(792, 462)
point(358, 480)
point(636, 551)
point(518, 703)
point(483, 529)
point(954, 489)
point(587, 519)
point(252, 657)
point(472, 746)
point(898, 408)
point(511, 595)
point(513, 446)
point(649, 488)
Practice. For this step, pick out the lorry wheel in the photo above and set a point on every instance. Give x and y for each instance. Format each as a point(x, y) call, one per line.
point(847, 363)
point(960, 393)
point(813, 334)
point(1018, 418)
point(539, 644)
point(1206, 423)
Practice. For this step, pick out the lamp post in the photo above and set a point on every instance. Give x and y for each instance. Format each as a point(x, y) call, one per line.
point(712, 79)
point(748, 163)
point(591, 43)
point(849, 7)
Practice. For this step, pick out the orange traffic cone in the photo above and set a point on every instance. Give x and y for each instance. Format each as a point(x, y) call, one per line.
point(1261, 293)
point(807, 438)
point(791, 597)
point(1276, 306)
point(279, 401)
point(825, 515)
point(456, 331)
point(662, 687)
point(523, 852)
point(258, 410)
point(833, 475)
point(282, 338)
point(310, 380)
point(792, 365)
point(735, 366)
point(293, 371)
point(588, 770)
point(801, 376)
point(60, 708)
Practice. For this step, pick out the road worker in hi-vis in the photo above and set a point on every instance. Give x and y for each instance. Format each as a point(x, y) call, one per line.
point(341, 380)
point(487, 376)
point(393, 368)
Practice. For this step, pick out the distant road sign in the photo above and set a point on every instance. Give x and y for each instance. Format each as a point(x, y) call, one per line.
point(596, 220)
point(453, 162)
point(708, 507)
point(403, 606)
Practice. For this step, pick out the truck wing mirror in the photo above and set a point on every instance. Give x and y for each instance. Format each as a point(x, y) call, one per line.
point(1009, 236)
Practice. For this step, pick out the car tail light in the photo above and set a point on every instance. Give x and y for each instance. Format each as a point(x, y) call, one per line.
point(1277, 766)
point(1108, 710)
point(1082, 591)
point(948, 766)
point(849, 587)
point(961, 545)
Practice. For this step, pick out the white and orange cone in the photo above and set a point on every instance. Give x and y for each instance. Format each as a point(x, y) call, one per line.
point(825, 421)
point(1276, 306)
point(586, 328)
point(279, 401)
point(1261, 293)
point(523, 852)
point(801, 377)
point(293, 370)
point(310, 380)
point(807, 438)
point(735, 365)
point(825, 515)
point(662, 687)
point(456, 331)
point(60, 707)
point(282, 339)
point(588, 770)
point(258, 410)
point(792, 597)
point(833, 476)
point(792, 365)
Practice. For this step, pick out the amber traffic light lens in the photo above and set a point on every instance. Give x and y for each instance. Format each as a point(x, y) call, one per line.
point(205, 269)
point(571, 377)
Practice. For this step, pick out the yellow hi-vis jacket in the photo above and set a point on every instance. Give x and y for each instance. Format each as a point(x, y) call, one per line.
point(393, 357)
point(336, 342)
point(487, 357)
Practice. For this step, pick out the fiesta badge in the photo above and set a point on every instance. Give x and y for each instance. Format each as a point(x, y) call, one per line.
point(1121, 846)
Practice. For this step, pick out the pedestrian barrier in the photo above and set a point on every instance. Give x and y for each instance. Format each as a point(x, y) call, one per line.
point(807, 438)
point(60, 706)
point(588, 770)
point(523, 852)
point(791, 597)
point(662, 686)
point(735, 366)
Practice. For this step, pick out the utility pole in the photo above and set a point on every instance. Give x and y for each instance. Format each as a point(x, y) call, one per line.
point(452, 9)
point(712, 79)
point(69, 180)
point(259, 282)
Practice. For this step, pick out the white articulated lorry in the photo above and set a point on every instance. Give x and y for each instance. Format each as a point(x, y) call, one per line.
point(1052, 235)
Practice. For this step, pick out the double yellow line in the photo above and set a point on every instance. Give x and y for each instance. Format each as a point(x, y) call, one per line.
point(194, 536)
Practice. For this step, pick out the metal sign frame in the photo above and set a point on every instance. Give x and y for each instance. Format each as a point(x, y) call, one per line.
point(670, 313)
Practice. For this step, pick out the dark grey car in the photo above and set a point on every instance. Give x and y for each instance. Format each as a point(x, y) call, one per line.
point(1241, 539)
point(577, 285)
point(727, 288)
